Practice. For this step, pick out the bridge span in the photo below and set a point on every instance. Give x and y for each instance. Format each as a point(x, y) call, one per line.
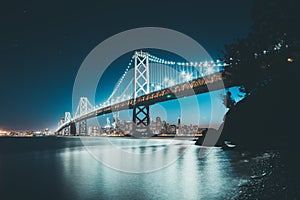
point(170, 80)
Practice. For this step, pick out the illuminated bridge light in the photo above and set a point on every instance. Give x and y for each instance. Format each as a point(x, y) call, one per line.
point(210, 70)
point(171, 82)
point(188, 77)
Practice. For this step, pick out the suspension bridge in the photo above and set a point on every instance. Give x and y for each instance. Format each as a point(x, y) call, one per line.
point(147, 80)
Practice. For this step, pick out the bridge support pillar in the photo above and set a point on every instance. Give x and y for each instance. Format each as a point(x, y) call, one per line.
point(73, 128)
point(141, 121)
point(83, 127)
point(60, 133)
point(66, 131)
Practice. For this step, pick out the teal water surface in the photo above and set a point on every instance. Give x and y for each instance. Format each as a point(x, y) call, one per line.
point(64, 168)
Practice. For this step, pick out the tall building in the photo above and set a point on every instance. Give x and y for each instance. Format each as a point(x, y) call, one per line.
point(158, 125)
point(158, 120)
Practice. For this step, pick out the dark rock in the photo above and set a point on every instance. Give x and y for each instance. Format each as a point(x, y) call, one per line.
point(269, 117)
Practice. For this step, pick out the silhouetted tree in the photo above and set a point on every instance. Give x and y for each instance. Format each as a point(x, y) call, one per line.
point(269, 54)
point(273, 43)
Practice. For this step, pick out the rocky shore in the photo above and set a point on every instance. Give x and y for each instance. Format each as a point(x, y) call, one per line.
point(268, 119)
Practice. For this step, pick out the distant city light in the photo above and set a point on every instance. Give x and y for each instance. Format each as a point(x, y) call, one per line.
point(290, 60)
point(3, 131)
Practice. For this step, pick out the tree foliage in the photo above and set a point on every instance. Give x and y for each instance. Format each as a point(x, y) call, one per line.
point(267, 51)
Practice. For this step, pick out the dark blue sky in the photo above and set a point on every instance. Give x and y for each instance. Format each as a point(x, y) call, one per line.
point(43, 43)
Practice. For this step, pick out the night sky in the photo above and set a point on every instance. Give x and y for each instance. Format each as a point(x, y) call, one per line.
point(43, 44)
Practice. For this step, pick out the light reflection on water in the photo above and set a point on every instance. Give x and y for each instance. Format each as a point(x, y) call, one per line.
point(72, 173)
point(137, 156)
point(189, 177)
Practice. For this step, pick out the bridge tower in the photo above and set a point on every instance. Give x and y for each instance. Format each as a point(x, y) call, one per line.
point(68, 117)
point(84, 107)
point(61, 121)
point(141, 74)
point(141, 114)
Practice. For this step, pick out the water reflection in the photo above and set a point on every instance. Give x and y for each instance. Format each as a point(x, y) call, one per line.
point(123, 154)
point(74, 173)
point(190, 177)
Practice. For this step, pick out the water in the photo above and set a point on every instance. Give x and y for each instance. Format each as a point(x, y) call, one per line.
point(62, 168)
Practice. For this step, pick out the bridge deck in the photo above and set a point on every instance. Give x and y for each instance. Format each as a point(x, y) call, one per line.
point(197, 86)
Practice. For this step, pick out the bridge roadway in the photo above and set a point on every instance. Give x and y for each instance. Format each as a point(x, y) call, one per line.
point(197, 86)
